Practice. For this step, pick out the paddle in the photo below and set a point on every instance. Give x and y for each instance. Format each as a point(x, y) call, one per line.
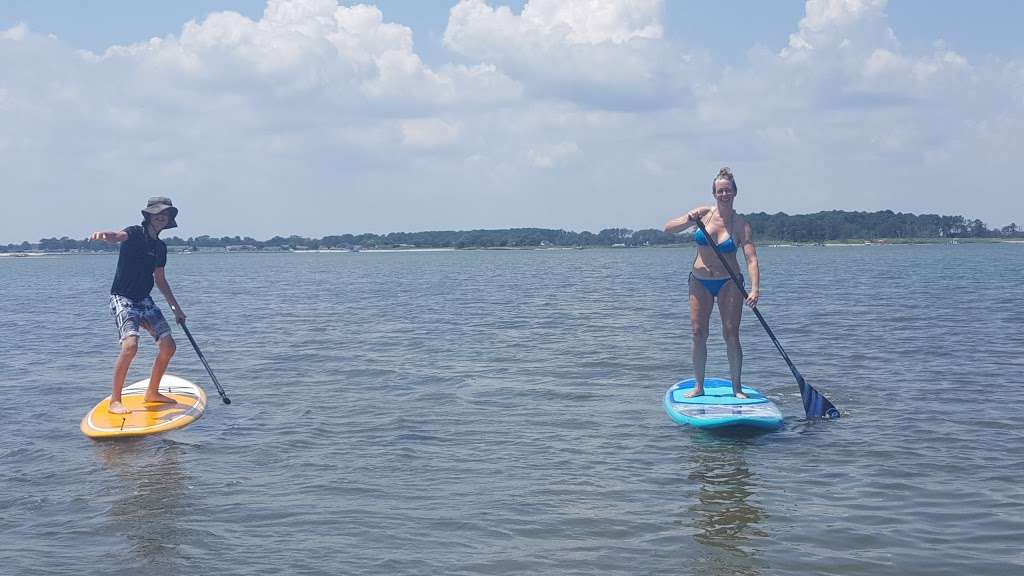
point(220, 390)
point(815, 405)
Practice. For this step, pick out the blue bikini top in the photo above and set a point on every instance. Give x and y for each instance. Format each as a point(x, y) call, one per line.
point(728, 246)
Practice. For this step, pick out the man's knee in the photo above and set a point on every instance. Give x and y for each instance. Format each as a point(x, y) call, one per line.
point(168, 346)
point(130, 346)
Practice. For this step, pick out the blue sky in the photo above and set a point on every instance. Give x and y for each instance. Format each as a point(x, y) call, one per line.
point(316, 117)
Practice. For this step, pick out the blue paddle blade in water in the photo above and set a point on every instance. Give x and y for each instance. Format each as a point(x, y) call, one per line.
point(815, 405)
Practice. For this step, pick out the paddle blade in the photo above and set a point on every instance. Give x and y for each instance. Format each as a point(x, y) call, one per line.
point(815, 405)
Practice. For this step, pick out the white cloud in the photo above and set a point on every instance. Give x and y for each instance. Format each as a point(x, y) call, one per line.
point(845, 52)
point(849, 25)
point(310, 47)
point(549, 156)
point(428, 133)
point(17, 33)
point(844, 114)
point(580, 106)
point(604, 53)
point(554, 23)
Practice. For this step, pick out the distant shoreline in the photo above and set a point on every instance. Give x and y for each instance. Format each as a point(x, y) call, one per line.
point(760, 244)
point(834, 227)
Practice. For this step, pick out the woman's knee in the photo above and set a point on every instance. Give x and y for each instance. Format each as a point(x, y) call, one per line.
point(731, 335)
point(700, 333)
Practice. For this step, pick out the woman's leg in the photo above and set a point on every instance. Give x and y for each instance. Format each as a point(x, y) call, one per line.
point(701, 304)
point(730, 307)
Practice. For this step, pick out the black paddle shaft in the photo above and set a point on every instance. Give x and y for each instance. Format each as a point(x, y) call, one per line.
point(815, 405)
point(220, 390)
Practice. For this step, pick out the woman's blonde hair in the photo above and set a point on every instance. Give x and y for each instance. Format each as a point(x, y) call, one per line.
point(724, 174)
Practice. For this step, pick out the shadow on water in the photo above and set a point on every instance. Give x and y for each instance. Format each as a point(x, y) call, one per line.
point(726, 517)
point(150, 499)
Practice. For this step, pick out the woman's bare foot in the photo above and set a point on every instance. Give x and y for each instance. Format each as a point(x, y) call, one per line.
point(158, 397)
point(116, 407)
point(697, 391)
point(739, 394)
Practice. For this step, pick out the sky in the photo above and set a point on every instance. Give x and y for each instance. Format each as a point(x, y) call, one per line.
point(317, 117)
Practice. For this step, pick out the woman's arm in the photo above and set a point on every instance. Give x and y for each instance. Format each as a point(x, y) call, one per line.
point(109, 236)
point(161, 282)
point(750, 255)
point(686, 220)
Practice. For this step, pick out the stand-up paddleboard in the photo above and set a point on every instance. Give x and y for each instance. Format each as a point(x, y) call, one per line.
point(719, 408)
point(147, 417)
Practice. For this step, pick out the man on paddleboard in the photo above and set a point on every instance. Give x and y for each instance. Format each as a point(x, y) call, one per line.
point(140, 265)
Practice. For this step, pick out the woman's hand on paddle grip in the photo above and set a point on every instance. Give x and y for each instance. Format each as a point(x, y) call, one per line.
point(752, 298)
point(696, 214)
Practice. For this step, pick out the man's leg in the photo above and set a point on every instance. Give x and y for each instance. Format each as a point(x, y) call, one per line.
point(129, 347)
point(163, 358)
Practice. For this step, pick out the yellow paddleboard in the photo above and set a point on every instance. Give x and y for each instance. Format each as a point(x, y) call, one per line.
point(147, 417)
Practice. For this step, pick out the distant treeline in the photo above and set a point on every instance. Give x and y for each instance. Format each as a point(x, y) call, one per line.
point(834, 225)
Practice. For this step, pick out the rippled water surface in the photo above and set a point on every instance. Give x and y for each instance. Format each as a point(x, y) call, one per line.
point(499, 412)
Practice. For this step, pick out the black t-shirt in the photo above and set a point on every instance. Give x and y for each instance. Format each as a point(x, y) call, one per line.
point(138, 256)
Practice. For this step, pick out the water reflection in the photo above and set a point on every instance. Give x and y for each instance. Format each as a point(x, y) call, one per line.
point(726, 517)
point(150, 486)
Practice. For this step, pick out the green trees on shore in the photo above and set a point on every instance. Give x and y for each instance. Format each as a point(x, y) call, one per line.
point(834, 225)
point(840, 225)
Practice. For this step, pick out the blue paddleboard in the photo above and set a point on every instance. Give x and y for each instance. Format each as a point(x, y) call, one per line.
point(719, 408)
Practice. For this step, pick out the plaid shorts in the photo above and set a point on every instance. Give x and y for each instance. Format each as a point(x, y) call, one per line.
point(130, 314)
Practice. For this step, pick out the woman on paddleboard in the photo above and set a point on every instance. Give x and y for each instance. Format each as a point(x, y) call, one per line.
point(140, 265)
point(709, 280)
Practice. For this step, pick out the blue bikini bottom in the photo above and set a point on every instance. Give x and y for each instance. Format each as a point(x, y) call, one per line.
point(713, 285)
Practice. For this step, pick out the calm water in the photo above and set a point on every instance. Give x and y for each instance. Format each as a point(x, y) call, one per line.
point(500, 413)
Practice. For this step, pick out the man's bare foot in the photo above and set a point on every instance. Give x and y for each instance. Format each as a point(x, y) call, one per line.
point(739, 394)
point(116, 407)
point(158, 397)
point(694, 393)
